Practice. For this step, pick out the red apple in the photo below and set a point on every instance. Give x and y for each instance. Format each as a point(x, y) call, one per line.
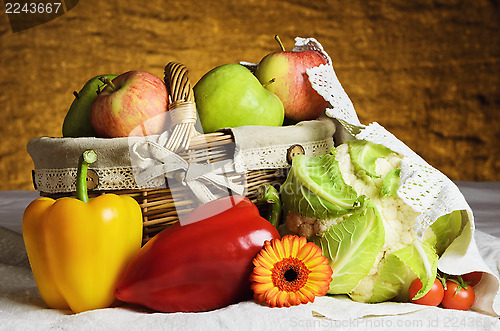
point(132, 104)
point(284, 74)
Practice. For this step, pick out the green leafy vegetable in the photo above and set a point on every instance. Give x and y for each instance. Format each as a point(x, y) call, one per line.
point(393, 275)
point(364, 154)
point(315, 188)
point(399, 269)
point(444, 230)
point(390, 184)
point(421, 258)
point(352, 246)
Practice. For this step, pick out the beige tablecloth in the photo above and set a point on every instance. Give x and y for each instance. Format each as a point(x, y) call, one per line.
point(21, 307)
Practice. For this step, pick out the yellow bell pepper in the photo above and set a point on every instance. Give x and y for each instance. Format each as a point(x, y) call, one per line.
point(79, 248)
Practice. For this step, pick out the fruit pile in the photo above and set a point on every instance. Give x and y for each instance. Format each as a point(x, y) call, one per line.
point(136, 103)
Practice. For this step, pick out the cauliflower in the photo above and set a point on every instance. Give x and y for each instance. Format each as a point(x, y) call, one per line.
point(346, 202)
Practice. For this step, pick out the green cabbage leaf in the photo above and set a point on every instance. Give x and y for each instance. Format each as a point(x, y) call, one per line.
point(315, 188)
point(390, 183)
point(418, 260)
point(443, 231)
point(364, 154)
point(352, 247)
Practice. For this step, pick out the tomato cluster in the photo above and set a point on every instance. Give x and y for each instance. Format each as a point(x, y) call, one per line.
point(452, 292)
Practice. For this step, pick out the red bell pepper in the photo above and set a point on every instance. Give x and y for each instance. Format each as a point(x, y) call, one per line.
point(201, 266)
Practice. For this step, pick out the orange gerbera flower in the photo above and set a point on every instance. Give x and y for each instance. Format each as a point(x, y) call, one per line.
point(289, 272)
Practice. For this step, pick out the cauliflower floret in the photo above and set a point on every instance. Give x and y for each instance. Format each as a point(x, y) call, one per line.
point(365, 287)
point(386, 164)
point(398, 217)
point(301, 225)
point(307, 226)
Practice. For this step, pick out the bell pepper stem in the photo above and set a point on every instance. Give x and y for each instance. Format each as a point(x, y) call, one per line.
point(268, 194)
point(87, 158)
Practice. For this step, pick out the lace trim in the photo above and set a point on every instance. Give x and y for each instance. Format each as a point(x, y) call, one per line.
point(122, 178)
point(64, 180)
point(275, 157)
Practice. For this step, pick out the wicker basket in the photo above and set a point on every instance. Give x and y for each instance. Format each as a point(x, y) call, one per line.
point(159, 206)
point(162, 206)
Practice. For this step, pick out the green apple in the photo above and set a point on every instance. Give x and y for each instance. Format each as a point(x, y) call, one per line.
point(230, 96)
point(77, 121)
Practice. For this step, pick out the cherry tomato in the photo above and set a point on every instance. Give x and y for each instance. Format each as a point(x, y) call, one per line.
point(432, 298)
point(457, 296)
point(472, 277)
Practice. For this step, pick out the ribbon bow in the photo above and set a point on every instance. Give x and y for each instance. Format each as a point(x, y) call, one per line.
point(152, 160)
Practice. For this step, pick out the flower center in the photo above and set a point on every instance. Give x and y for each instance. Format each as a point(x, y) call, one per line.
point(290, 274)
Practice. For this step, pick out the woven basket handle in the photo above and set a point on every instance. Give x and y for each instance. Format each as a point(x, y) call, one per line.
point(181, 108)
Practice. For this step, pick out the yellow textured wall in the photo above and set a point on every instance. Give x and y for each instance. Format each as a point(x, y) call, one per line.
point(429, 71)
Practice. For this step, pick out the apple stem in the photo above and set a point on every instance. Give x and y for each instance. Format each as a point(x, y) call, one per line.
point(269, 82)
point(76, 94)
point(279, 42)
point(108, 82)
